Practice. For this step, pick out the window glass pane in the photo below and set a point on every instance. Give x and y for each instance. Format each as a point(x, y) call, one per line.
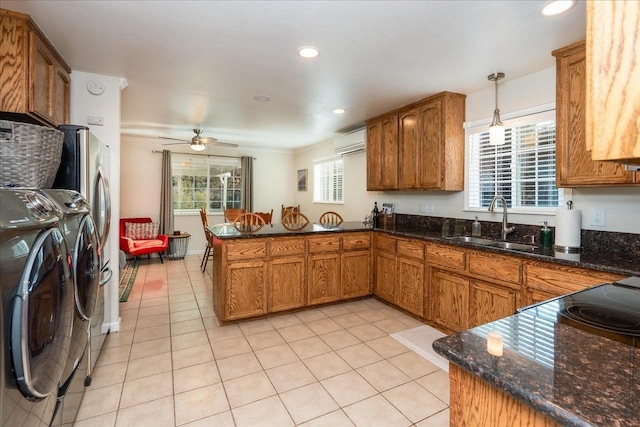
point(522, 170)
point(328, 179)
point(205, 183)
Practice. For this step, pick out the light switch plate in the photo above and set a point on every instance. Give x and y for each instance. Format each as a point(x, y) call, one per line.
point(95, 120)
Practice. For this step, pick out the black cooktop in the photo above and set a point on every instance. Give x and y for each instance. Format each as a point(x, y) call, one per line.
point(611, 310)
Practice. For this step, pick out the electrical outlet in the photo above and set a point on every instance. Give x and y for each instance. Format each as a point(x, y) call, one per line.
point(95, 120)
point(598, 217)
point(423, 208)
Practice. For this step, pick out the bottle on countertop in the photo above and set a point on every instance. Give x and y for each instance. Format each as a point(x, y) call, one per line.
point(476, 228)
point(546, 238)
point(376, 215)
point(446, 228)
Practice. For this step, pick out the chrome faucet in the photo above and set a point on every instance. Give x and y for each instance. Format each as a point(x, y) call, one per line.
point(505, 225)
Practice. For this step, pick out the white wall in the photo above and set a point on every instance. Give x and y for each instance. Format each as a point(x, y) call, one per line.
point(106, 105)
point(141, 172)
point(622, 204)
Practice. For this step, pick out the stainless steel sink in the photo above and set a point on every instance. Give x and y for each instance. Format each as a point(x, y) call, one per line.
point(469, 239)
point(513, 246)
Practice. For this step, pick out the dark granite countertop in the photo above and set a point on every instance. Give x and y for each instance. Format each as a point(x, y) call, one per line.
point(617, 262)
point(228, 231)
point(572, 376)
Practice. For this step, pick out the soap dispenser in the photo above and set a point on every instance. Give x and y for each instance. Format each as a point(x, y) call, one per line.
point(476, 228)
point(546, 239)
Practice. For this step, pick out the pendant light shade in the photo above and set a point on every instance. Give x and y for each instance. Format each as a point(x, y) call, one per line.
point(496, 129)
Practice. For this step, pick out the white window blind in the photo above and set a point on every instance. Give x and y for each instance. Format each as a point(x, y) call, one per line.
point(328, 182)
point(523, 170)
point(205, 182)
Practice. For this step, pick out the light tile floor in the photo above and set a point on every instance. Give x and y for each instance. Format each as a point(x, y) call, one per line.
point(172, 364)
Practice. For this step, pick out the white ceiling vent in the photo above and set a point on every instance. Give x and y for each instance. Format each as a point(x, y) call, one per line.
point(351, 142)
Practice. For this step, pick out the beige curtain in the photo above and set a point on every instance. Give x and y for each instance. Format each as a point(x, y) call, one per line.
point(166, 199)
point(246, 166)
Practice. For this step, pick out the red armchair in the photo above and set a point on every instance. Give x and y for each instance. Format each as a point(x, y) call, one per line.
point(138, 247)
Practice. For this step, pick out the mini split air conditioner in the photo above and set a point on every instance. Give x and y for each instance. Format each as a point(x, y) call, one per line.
point(351, 142)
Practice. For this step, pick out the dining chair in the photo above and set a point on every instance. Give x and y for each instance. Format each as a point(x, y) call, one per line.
point(208, 235)
point(295, 221)
point(289, 209)
point(330, 218)
point(267, 216)
point(248, 222)
point(230, 214)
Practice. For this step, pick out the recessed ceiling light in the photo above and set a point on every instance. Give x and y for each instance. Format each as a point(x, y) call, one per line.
point(262, 98)
point(338, 111)
point(308, 52)
point(556, 7)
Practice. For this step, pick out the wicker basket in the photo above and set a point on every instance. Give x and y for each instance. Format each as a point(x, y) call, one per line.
point(29, 154)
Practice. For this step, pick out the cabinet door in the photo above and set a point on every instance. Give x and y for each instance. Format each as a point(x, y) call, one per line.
point(386, 277)
point(286, 283)
point(490, 302)
point(61, 95)
point(374, 155)
point(324, 278)
point(450, 299)
point(408, 150)
point(41, 79)
point(574, 167)
point(411, 286)
point(430, 155)
point(356, 274)
point(390, 153)
point(245, 290)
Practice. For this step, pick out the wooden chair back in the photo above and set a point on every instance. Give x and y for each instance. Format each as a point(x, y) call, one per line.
point(248, 222)
point(203, 217)
point(289, 209)
point(267, 216)
point(295, 221)
point(230, 214)
point(330, 218)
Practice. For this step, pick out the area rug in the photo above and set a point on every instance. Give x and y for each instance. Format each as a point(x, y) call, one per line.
point(127, 278)
point(419, 340)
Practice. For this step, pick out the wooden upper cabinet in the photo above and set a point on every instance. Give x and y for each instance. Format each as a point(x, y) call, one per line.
point(35, 80)
point(613, 80)
point(574, 166)
point(406, 148)
point(382, 153)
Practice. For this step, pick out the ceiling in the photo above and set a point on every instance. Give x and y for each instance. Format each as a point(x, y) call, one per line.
point(200, 63)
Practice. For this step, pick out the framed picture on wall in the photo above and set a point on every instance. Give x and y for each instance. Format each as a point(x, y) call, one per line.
point(302, 179)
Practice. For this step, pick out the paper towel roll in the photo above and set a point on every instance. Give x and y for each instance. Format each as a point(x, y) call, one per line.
point(568, 227)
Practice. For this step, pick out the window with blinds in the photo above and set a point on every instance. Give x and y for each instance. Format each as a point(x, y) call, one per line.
point(328, 182)
point(205, 182)
point(523, 170)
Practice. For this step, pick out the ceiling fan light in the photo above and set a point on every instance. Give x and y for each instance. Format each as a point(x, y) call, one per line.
point(198, 146)
point(308, 52)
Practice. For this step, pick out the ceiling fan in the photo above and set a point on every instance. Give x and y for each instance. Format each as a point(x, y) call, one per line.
point(198, 143)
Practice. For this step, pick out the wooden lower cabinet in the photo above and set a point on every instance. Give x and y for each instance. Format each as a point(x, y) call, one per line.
point(385, 286)
point(356, 274)
point(324, 278)
point(246, 288)
point(287, 279)
point(410, 286)
point(449, 300)
point(476, 403)
point(489, 302)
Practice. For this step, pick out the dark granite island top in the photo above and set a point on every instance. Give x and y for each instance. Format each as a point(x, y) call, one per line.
point(228, 231)
point(571, 376)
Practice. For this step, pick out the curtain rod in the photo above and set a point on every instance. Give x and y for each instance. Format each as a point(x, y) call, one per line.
point(206, 155)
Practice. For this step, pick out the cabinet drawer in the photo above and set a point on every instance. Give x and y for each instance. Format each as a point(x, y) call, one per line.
point(387, 244)
point(356, 241)
point(411, 249)
point(498, 267)
point(324, 244)
point(281, 246)
point(247, 250)
point(446, 255)
point(559, 280)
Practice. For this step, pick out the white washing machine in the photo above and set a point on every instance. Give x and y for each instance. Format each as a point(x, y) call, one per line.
point(36, 313)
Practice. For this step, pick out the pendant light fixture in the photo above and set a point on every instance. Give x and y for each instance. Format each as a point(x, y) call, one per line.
point(496, 129)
